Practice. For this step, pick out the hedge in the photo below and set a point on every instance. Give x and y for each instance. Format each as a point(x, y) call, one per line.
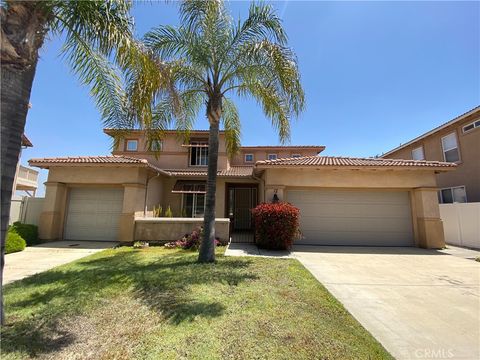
point(14, 243)
point(276, 225)
point(28, 232)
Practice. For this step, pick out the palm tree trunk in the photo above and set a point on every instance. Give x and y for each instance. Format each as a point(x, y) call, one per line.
point(22, 35)
point(207, 247)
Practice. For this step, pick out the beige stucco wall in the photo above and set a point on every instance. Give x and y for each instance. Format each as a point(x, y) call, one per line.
point(171, 229)
point(427, 225)
point(468, 169)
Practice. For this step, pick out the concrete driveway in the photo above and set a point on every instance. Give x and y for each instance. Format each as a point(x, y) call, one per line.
point(35, 259)
point(420, 304)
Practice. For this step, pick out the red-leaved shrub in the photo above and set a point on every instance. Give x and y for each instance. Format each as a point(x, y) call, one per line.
point(276, 225)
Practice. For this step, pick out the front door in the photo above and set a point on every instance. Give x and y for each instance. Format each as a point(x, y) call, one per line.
point(241, 200)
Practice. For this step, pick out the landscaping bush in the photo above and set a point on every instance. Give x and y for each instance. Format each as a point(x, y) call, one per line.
point(276, 225)
point(28, 232)
point(14, 243)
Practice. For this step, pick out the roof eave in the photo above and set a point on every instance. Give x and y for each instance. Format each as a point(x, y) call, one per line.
point(48, 165)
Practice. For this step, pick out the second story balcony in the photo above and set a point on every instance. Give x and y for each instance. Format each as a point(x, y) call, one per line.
point(27, 179)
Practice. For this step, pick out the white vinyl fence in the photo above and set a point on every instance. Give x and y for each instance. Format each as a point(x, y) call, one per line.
point(26, 210)
point(461, 224)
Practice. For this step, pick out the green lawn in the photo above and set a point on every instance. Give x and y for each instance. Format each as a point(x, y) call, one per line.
point(159, 304)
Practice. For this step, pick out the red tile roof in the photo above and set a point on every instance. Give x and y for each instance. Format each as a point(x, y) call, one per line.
point(109, 159)
point(45, 163)
point(307, 161)
point(25, 141)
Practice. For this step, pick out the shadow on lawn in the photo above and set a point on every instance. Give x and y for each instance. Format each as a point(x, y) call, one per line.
point(160, 281)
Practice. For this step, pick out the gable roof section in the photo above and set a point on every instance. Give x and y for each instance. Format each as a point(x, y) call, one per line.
point(350, 162)
point(26, 141)
point(117, 160)
point(433, 131)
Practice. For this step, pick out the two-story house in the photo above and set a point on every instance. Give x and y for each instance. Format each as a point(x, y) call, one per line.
point(456, 141)
point(343, 201)
point(26, 179)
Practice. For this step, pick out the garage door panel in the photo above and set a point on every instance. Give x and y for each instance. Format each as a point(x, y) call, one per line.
point(352, 224)
point(348, 239)
point(354, 210)
point(93, 214)
point(344, 217)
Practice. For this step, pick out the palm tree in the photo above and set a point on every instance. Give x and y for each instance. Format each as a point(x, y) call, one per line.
point(98, 45)
point(211, 57)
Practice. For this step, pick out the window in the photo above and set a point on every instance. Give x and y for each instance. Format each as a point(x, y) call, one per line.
point(471, 126)
point(132, 145)
point(453, 195)
point(193, 205)
point(296, 155)
point(417, 154)
point(248, 158)
point(156, 145)
point(450, 149)
point(272, 156)
point(199, 153)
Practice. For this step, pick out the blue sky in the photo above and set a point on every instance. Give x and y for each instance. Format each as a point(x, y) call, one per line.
point(376, 74)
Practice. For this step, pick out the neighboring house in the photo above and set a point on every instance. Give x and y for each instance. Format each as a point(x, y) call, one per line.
point(24, 183)
point(457, 141)
point(343, 201)
point(26, 179)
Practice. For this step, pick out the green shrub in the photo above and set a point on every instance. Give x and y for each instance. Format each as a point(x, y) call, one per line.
point(14, 243)
point(28, 232)
point(157, 211)
point(169, 212)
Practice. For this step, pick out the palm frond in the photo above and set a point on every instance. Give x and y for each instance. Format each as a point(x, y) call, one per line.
point(94, 69)
point(232, 125)
point(274, 105)
point(262, 23)
point(100, 48)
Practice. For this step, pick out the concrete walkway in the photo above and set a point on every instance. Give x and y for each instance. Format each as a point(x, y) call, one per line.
point(35, 259)
point(420, 304)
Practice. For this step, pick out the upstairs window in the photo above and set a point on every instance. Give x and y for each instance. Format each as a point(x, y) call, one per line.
point(296, 155)
point(417, 154)
point(198, 153)
point(471, 126)
point(450, 148)
point(272, 156)
point(248, 158)
point(453, 195)
point(132, 145)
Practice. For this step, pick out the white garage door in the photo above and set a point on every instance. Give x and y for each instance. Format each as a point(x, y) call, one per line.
point(93, 214)
point(342, 217)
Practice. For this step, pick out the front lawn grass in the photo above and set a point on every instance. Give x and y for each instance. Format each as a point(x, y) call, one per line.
point(157, 303)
